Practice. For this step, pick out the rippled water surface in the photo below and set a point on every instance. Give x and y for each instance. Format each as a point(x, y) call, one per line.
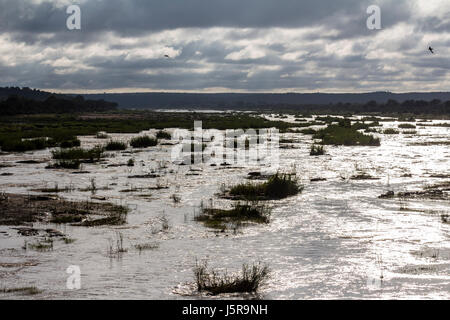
point(335, 240)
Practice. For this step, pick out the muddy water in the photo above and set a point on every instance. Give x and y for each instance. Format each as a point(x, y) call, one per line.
point(334, 240)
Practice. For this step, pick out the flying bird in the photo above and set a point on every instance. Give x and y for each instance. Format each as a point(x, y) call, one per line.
point(166, 55)
point(431, 49)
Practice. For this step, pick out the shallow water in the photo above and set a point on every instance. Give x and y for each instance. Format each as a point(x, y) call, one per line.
point(334, 240)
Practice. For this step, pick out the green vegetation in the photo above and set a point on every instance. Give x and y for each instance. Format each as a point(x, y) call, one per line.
point(278, 186)
point(65, 164)
point(79, 154)
point(24, 209)
point(116, 249)
point(17, 145)
point(406, 126)
point(316, 150)
point(345, 134)
point(46, 245)
point(250, 280)
point(59, 128)
point(221, 218)
point(115, 146)
point(67, 218)
point(143, 142)
point(15, 104)
point(22, 290)
point(163, 135)
point(146, 246)
point(443, 125)
point(70, 143)
point(68, 240)
point(329, 119)
point(113, 219)
point(308, 131)
point(391, 131)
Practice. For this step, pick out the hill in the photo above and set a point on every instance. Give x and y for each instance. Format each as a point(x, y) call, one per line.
point(251, 101)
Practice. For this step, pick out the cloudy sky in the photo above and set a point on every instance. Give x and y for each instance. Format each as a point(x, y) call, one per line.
point(225, 46)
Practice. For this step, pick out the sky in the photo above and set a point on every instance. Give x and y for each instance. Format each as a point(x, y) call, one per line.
point(225, 46)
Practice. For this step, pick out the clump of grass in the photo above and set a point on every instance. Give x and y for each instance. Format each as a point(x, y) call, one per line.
point(70, 143)
point(164, 223)
point(278, 186)
point(130, 162)
point(163, 135)
point(91, 155)
point(46, 245)
point(390, 131)
point(115, 146)
point(249, 280)
point(317, 150)
point(308, 131)
point(65, 164)
point(406, 126)
point(20, 145)
point(116, 248)
point(143, 142)
point(345, 134)
point(66, 218)
point(221, 218)
point(114, 219)
point(176, 198)
point(22, 290)
point(371, 130)
point(68, 240)
point(146, 246)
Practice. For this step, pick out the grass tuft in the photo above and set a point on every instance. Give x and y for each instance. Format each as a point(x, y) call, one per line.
point(317, 150)
point(221, 218)
point(143, 142)
point(248, 281)
point(278, 186)
point(346, 135)
point(115, 146)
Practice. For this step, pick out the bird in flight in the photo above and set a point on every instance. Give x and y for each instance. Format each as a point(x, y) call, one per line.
point(166, 55)
point(431, 49)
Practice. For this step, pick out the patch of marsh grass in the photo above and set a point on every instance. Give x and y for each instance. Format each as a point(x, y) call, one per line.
point(22, 290)
point(278, 186)
point(406, 126)
point(344, 134)
point(163, 135)
point(221, 218)
point(84, 155)
point(115, 146)
point(391, 131)
point(316, 150)
point(249, 280)
point(143, 142)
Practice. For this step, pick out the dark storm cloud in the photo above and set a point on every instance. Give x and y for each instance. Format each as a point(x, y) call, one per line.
point(143, 15)
point(253, 45)
point(135, 17)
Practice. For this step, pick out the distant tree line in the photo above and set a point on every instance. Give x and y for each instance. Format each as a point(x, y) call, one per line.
point(434, 107)
point(15, 105)
point(24, 92)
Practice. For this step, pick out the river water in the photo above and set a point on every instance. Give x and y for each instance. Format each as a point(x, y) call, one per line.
point(335, 240)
